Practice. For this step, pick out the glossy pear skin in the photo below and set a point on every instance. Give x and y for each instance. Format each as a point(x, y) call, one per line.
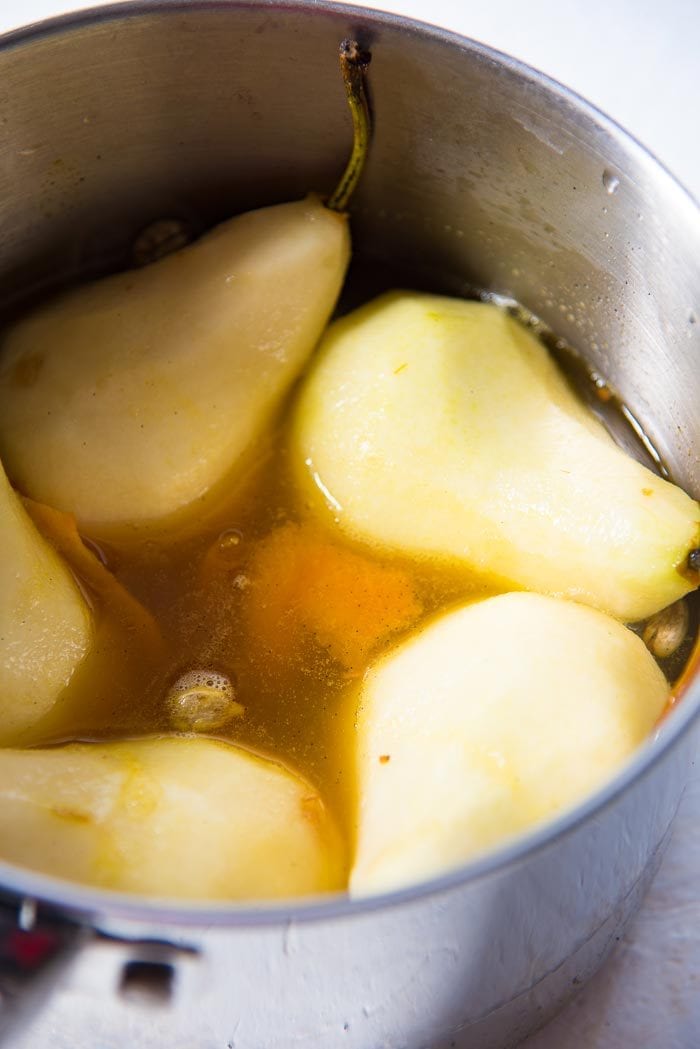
point(125, 400)
point(169, 817)
point(46, 627)
point(489, 721)
point(441, 428)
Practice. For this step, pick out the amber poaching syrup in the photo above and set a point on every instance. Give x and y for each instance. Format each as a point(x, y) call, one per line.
point(218, 607)
point(202, 586)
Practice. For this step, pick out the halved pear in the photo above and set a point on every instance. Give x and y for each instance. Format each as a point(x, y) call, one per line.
point(442, 428)
point(497, 716)
point(126, 400)
point(169, 817)
point(46, 627)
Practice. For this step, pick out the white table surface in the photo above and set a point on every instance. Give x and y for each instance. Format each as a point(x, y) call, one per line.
point(638, 61)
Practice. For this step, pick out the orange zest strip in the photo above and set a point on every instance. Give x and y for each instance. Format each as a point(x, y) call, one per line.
point(60, 529)
point(302, 584)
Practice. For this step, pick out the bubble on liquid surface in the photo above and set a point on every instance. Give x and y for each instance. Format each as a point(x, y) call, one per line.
point(228, 542)
point(202, 700)
point(610, 181)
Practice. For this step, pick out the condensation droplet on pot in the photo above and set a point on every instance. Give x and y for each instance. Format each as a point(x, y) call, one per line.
point(202, 700)
point(665, 632)
point(158, 239)
point(610, 182)
point(228, 543)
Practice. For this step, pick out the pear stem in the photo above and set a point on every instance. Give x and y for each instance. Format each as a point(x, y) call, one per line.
point(353, 65)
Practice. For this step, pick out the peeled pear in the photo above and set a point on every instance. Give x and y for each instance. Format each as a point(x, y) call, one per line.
point(442, 428)
point(126, 400)
point(46, 627)
point(490, 720)
point(168, 817)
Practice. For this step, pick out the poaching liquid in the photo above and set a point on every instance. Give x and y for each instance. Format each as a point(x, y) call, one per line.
point(254, 591)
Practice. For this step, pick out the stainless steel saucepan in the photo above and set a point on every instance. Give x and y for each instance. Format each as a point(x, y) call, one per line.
point(483, 173)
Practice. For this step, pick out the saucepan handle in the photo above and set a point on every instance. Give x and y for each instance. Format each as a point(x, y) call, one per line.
point(35, 946)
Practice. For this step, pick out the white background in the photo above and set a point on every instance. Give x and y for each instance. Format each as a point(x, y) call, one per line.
point(639, 61)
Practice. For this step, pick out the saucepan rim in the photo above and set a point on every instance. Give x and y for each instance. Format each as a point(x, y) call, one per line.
point(89, 904)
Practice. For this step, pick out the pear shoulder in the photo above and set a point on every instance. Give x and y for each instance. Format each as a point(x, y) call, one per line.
point(441, 428)
point(127, 400)
point(46, 626)
point(490, 720)
point(171, 817)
